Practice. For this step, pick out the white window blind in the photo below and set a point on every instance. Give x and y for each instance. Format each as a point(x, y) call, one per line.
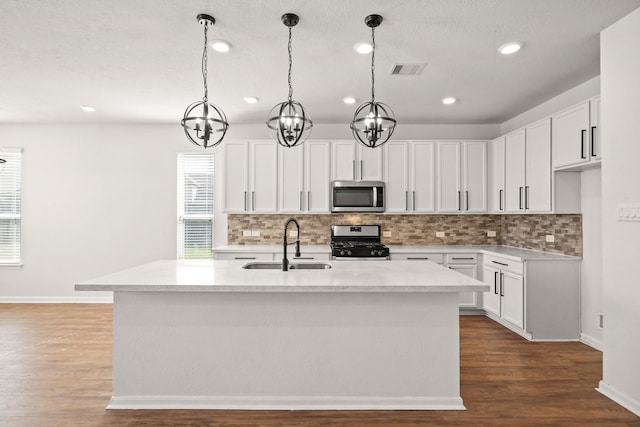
point(10, 201)
point(195, 205)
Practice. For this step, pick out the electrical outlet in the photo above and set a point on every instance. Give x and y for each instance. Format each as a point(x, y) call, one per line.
point(600, 320)
point(439, 233)
point(550, 238)
point(386, 234)
point(293, 233)
point(246, 233)
point(491, 234)
point(255, 233)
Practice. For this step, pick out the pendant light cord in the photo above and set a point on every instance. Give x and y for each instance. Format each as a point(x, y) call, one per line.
point(204, 63)
point(290, 66)
point(373, 65)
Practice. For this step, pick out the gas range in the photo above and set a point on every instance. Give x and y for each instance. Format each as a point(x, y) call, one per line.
point(357, 242)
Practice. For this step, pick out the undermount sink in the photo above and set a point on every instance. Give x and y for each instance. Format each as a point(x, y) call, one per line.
point(292, 266)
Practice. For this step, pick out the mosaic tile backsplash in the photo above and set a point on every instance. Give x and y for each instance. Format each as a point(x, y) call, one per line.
point(524, 231)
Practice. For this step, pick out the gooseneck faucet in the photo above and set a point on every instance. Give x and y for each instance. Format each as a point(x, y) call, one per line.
point(285, 261)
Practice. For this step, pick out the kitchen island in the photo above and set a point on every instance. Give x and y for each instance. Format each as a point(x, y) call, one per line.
point(358, 335)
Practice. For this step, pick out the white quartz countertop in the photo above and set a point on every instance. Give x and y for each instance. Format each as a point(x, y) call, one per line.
point(516, 254)
point(229, 276)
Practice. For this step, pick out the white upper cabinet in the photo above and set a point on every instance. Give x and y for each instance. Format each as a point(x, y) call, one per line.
point(409, 176)
point(304, 176)
point(462, 171)
point(575, 136)
point(528, 168)
point(498, 171)
point(538, 167)
point(351, 161)
point(250, 173)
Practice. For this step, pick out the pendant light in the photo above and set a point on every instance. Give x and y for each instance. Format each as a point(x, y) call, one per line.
point(288, 123)
point(373, 122)
point(205, 124)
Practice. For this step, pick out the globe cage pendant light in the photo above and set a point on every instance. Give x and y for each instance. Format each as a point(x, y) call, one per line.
point(204, 123)
point(373, 122)
point(288, 123)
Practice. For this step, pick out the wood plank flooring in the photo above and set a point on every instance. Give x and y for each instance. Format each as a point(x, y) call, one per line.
point(55, 370)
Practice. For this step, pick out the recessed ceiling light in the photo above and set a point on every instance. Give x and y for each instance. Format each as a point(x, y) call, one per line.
point(448, 100)
point(509, 48)
point(221, 46)
point(363, 47)
point(251, 99)
point(87, 108)
point(349, 100)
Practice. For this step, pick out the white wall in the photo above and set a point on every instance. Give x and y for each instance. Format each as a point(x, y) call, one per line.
point(96, 199)
point(592, 300)
point(620, 79)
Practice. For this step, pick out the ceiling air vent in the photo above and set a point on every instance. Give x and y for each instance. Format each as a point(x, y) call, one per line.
point(407, 69)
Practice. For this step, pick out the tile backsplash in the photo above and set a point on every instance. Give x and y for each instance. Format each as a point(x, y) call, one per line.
point(524, 231)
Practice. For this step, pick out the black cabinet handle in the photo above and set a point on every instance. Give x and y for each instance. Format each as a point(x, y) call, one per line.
point(495, 282)
point(582, 134)
point(500, 198)
point(526, 197)
point(467, 199)
point(593, 144)
point(471, 258)
point(500, 263)
point(459, 204)
point(501, 284)
point(520, 198)
point(418, 258)
point(244, 257)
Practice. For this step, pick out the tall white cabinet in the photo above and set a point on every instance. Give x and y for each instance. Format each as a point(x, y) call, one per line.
point(352, 161)
point(409, 176)
point(303, 178)
point(251, 178)
point(462, 170)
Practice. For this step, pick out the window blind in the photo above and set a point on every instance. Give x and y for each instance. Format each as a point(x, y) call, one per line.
point(10, 205)
point(195, 205)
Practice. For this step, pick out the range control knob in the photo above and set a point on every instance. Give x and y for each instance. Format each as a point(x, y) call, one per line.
point(341, 252)
point(349, 253)
point(373, 253)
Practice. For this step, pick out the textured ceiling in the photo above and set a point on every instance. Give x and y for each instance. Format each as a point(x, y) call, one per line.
point(139, 60)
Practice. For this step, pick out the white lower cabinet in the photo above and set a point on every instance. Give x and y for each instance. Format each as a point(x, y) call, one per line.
point(465, 264)
point(538, 298)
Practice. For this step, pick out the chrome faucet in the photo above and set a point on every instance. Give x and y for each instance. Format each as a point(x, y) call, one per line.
point(285, 261)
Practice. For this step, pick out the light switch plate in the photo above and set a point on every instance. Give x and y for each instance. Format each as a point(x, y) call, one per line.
point(439, 233)
point(386, 234)
point(491, 234)
point(255, 233)
point(293, 233)
point(550, 238)
point(246, 233)
point(628, 212)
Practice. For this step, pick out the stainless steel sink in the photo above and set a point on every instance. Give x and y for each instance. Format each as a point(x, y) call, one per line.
point(292, 266)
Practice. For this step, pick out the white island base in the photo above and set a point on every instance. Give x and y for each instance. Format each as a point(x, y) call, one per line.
point(286, 348)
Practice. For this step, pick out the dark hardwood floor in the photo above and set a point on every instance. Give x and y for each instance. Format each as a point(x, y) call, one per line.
point(55, 370)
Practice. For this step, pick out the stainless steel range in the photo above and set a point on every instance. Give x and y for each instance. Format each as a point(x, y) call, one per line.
point(357, 242)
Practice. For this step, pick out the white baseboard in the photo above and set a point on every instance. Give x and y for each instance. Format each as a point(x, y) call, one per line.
point(591, 342)
point(56, 300)
point(286, 403)
point(618, 397)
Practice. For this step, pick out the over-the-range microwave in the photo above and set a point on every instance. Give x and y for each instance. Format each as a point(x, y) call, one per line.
point(357, 196)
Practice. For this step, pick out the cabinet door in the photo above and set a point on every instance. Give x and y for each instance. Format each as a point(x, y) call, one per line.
point(538, 167)
point(570, 135)
point(491, 298)
point(513, 298)
point(474, 161)
point(317, 165)
point(343, 161)
point(514, 171)
point(422, 168)
point(498, 174)
point(236, 177)
point(449, 191)
point(370, 163)
point(263, 169)
point(595, 148)
point(396, 176)
point(466, 299)
point(290, 179)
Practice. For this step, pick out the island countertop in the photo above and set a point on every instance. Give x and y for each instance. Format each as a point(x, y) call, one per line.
point(229, 276)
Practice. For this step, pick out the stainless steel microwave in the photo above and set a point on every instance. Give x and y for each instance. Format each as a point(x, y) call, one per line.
point(357, 196)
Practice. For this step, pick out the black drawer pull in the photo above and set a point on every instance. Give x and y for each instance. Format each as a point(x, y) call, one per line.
point(462, 257)
point(417, 258)
point(245, 257)
point(500, 263)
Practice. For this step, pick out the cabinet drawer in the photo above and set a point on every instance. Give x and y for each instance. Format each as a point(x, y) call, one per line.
point(461, 258)
point(516, 267)
point(437, 258)
point(249, 256)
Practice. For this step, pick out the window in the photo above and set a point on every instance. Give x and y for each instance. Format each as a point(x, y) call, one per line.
point(10, 201)
point(195, 206)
